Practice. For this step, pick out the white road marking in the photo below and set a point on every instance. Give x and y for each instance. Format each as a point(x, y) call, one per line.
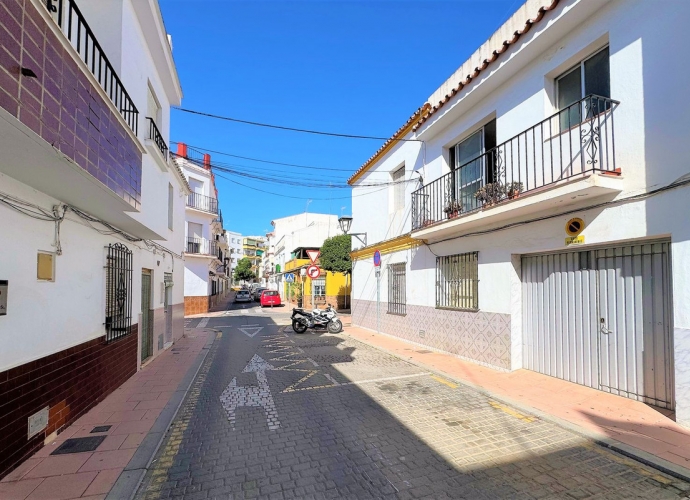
point(234, 397)
point(250, 331)
point(203, 323)
point(300, 349)
point(311, 360)
point(335, 382)
point(244, 311)
point(385, 379)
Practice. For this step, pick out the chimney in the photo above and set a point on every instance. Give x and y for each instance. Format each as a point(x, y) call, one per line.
point(182, 149)
point(207, 161)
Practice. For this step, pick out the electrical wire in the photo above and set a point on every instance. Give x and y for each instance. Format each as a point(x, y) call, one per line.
point(292, 129)
point(640, 196)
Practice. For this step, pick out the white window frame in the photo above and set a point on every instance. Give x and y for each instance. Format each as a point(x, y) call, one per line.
point(398, 177)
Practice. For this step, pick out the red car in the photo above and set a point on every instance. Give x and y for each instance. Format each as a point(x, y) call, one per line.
point(270, 298)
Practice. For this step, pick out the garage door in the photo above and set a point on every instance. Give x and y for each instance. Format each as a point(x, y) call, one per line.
point(602, 318)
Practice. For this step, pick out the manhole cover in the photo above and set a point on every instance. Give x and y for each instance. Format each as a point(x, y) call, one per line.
point(79, 445)
point(101, 428)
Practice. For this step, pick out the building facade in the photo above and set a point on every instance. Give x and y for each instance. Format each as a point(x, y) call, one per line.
point(253, 248)
point(234, 241)
point(329, 288)
point(207, 268)
point(533, 223)
point(91, 278)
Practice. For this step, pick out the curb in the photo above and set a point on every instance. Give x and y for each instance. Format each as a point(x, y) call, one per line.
point(644, 457)
point(133, 474)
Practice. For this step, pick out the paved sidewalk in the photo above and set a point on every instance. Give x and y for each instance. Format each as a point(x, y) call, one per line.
point(643, 431)
point(131, 411)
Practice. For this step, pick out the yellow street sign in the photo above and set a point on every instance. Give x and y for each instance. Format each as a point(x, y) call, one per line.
point(575, 240)
point(574, 226)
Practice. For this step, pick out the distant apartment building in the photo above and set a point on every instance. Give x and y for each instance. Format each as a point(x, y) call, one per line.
point(207, 275)
point(91, 265)
point(253, 248)
point(234, 241)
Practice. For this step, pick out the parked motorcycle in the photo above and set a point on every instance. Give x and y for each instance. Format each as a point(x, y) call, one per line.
point(317, 319)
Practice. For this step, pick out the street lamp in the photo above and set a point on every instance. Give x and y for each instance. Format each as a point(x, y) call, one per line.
point(345, 222)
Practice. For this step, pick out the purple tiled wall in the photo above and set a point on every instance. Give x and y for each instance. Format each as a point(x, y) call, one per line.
point(62, 105)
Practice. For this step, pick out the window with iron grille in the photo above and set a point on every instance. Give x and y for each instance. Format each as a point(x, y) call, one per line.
point(118, 292)
point(456, 281)
point(319, 285)
point(397, 298)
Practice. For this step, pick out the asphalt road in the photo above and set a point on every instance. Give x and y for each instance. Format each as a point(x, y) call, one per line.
point(273, 414)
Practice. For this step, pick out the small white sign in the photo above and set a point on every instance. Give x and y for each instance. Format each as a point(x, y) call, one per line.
point(38, 421)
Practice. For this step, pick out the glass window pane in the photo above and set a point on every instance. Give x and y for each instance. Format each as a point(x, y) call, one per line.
point(597, 76)
point(570, 92)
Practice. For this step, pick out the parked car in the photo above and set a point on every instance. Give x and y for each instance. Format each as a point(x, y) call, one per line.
point(243, 296)
point(257, 293)
point(270, 298)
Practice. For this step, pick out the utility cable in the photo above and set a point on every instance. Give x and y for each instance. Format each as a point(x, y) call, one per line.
point(640, 196)
point(292, 129)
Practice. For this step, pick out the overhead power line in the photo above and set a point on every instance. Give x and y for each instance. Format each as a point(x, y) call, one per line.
point(293, 129)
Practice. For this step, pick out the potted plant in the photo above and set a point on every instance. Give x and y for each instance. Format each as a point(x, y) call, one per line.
point(514, 189)
point(452, 209)
point(490, 194)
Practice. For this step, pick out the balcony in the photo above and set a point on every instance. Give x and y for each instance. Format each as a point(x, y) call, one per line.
point(568, 156)
point(73, 25)
point(201, 246)
point(203, 203)
point(157, 138)
point(219, 219)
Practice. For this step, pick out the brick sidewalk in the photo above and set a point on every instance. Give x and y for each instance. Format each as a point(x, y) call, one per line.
point(131, 411)
point(600, 414)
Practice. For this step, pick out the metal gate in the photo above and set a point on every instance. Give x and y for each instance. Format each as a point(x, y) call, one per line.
point(602, 318)
point(146, 316)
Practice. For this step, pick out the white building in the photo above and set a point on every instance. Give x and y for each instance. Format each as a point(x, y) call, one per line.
point(581, 270)
point(91, 269)
point(207, 274)
point(305, 230)
point(234, 241)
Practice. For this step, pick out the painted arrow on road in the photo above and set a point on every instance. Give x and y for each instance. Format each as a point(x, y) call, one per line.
point(235, 396)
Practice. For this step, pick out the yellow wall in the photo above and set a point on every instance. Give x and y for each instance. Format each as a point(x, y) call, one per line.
point(336, 283)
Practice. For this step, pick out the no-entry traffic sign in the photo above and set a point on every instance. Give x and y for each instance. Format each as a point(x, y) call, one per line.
point(313, 272)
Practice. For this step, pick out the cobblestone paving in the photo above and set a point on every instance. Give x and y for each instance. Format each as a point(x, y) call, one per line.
point(359, 423)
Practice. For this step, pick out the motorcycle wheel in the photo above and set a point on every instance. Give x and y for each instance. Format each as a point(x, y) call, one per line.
point(298, 326)
point(335, 326)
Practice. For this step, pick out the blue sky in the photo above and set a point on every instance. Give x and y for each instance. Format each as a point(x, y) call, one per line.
point(348, 67)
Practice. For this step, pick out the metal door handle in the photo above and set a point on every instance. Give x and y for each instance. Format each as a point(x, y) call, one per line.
point(603, 328)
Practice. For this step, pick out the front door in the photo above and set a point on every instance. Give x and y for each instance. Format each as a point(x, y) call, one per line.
point(167, 305)
point(146, 316)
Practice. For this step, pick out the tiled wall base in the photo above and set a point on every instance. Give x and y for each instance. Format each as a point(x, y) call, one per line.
point(198, 304)
point(69, 382)
point(479, 336)
point(178, 321)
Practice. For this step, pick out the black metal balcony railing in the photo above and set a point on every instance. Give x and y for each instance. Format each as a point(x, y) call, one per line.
point(219, 218)
point(72, 23)
point(574, 141)
point(201, 246)
point(157, 138)
point(202, 202)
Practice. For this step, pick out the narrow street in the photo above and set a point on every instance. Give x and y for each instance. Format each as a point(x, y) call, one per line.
point(273, 414)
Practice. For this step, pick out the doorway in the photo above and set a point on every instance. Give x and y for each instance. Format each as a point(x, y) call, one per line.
point(146, 316)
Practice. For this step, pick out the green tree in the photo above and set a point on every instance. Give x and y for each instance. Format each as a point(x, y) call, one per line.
point(243, 271)
point(335, 254)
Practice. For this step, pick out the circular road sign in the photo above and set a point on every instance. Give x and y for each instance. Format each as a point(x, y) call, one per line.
point(377, 258)
point(313, 272)
point(574, 226)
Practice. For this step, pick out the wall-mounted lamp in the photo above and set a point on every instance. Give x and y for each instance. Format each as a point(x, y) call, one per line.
point(345, 222)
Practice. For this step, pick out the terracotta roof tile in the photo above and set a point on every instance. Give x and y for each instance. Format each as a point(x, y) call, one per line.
point(425, 111)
